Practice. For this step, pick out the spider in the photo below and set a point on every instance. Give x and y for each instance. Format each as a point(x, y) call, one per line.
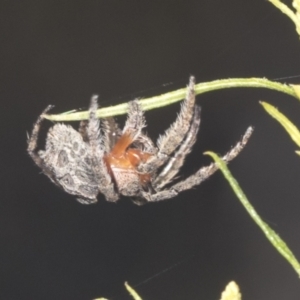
point(105, 159)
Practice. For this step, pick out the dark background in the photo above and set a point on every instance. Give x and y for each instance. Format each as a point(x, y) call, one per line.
point(61, 52)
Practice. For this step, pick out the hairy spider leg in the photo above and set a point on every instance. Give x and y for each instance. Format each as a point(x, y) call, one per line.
point(104, 179)
point(135, 120)
point(206, 172)
point(174, 164)
point(83, 125)
point(173, 136)
point(110, 129)
point(200, 175)
point(32, 145)
point(145, 143)
point(111, 133)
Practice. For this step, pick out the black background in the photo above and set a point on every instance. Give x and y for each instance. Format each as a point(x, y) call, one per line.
point(61, 52)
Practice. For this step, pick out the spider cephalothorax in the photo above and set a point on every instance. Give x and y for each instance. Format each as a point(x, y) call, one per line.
point(105, 159)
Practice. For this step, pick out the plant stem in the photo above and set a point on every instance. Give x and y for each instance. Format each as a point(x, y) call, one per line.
point(175, 96)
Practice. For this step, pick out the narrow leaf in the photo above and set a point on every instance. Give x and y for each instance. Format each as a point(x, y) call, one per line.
point(271, 235)
point(291, 129)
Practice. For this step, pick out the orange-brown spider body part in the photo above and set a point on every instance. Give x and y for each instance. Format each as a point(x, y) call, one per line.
point(122, 162)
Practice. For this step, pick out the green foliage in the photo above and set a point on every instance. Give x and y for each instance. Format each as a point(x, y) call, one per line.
point(294, 16)
point(270, 234)
point(291, 129)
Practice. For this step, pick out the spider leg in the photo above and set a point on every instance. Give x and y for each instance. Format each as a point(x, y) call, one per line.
point(200, 175)
point(174, 136)
point(83, 130)
point(110, 129)
point(135, 120)
point(144, 143)
point(111, 133)
point(32, 145)
point(134, 125)
point(132, 132)
point(176, 161)
point(105, 183)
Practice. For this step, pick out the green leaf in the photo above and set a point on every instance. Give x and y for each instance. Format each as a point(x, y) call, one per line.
point(271, 235)
point(287, 11)
point(291, 129)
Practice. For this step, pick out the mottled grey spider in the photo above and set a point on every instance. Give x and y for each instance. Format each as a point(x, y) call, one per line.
point(125, 162)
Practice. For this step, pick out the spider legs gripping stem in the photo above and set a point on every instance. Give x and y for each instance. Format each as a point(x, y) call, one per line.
point(110, 129)
point(105, 184)
point(83, 130)
point(201, 174)
point(174, 136)
point(33, 138)
point(32, 145)
point(111, 133)
point(134, 125)
point(132, 131)
point(102, 158)
point(176, 161)
point(135, 121)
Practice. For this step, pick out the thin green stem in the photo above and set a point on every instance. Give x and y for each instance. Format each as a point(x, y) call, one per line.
point(175, 96)
point(271, 235)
